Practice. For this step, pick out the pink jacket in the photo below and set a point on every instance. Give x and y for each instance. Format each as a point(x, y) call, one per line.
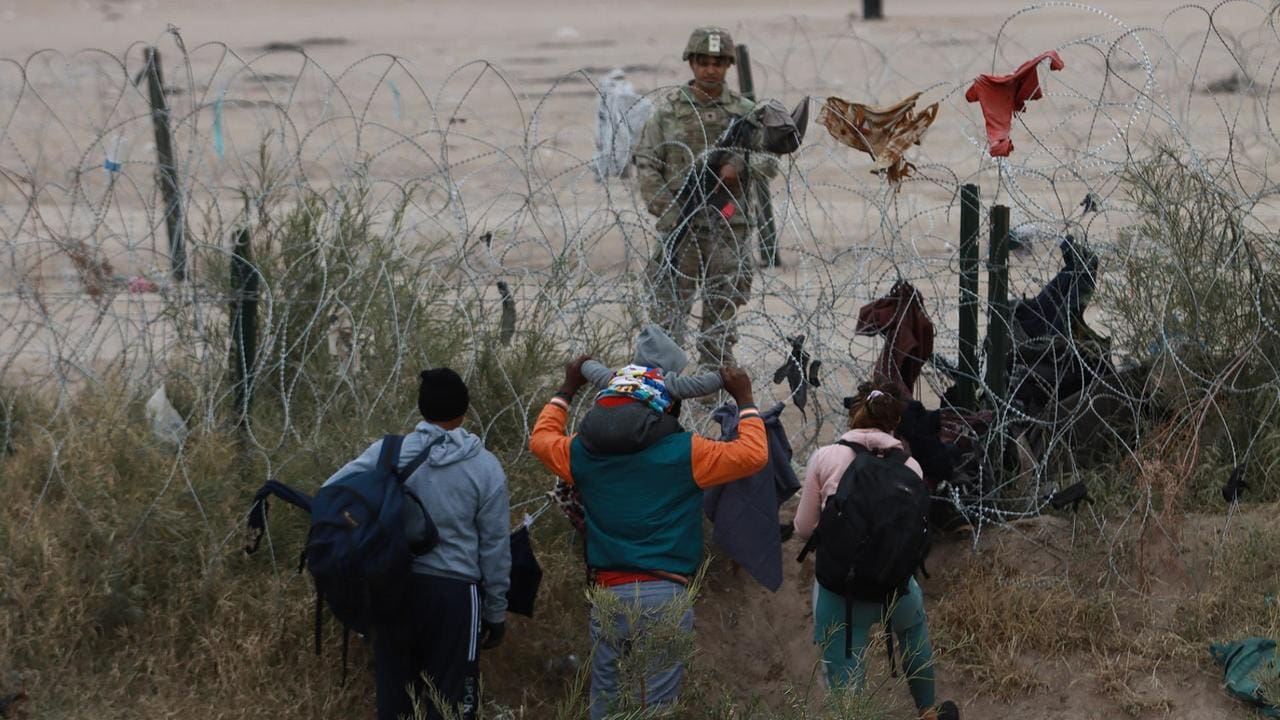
point(826, 467)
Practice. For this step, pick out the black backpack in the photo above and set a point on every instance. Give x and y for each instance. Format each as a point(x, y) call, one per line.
point(873, 534)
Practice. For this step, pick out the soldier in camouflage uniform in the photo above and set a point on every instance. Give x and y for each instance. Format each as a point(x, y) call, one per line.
point(714, 255)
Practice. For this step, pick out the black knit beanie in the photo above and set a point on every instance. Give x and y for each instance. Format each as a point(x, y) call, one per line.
point(442, 395)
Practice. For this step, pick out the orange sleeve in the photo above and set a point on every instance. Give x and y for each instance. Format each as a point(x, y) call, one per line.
point(716, 462)
point(548, 442)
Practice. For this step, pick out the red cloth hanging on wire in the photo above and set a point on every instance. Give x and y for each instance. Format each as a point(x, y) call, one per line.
point(901, 318)
point(1003, 95)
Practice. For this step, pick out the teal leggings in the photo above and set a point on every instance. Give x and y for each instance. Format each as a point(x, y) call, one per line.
point(909, 626)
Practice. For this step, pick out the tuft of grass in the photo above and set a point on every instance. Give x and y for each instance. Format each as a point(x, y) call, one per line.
point(1240, 594)
point(995, 620)
point(17, 406)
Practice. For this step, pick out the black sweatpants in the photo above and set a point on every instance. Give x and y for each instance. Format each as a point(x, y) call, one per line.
point(437, 635)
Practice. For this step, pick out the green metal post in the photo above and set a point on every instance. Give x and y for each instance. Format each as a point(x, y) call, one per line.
point(746, 85)
point(998, 313)
point(167, 171)
point(759, 189)
point(970, 209)
point(244, 323)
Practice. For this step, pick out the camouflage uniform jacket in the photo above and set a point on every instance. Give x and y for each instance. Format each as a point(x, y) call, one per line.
point(681, 131)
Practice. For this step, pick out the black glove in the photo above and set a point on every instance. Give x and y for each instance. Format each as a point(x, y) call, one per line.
point(491, 634)
point(786, 530)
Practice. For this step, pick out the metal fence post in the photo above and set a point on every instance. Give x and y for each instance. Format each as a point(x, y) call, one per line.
point(767, 227)
point(998, 313)
point(970, 207)
point(244, 322)
point(167, 172)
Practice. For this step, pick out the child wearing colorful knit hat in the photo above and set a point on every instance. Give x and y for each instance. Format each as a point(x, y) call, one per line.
point(633, 409)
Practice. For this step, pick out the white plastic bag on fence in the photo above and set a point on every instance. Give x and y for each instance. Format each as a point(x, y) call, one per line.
point(620, 115)
point(344, 344)
point(166, 424)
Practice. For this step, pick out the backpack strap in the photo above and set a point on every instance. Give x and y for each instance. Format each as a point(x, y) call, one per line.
point(896, 454)
point(402, 474)
point(809, 546)
point(346, 643)
point(257, 520)
point(889, 603)
point(860, 449)
point(857, 448)
point(390, 455)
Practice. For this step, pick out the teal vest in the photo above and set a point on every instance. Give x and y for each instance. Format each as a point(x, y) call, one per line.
point(644, 511)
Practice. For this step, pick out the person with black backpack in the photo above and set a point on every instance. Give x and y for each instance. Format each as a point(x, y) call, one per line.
point(453, 600)
point(864, 508)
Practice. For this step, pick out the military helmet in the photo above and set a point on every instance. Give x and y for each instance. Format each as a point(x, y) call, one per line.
point(712, 41)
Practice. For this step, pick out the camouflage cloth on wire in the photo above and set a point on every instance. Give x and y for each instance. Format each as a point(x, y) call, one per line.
point(884, 133)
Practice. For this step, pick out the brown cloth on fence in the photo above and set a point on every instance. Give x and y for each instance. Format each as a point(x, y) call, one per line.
point(900, 317)
point(885, 133)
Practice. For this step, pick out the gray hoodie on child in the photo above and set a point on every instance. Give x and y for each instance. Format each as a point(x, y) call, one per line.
point(464, 490)
point(629, 428)
point(654, 348)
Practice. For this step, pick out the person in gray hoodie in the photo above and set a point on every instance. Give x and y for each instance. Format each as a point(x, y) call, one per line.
point(623, 421)
point(444, 621)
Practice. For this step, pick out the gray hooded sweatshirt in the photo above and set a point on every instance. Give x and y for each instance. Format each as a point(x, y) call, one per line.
point(655, 348)
point(464, 490)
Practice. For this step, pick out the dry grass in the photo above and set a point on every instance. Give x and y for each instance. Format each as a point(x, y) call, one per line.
point(1015, 621)
point(124, 572)
point(128, 595)
point(996, 623)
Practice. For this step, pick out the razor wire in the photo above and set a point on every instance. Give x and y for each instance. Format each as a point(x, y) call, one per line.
point(485, 174)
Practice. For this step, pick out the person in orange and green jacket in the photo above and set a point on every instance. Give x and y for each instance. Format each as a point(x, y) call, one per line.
point(644, 519)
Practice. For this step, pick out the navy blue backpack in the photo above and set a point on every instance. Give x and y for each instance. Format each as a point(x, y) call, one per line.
point(358, 549)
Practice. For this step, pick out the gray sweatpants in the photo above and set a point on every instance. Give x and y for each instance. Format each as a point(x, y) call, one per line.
point(613, 637)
